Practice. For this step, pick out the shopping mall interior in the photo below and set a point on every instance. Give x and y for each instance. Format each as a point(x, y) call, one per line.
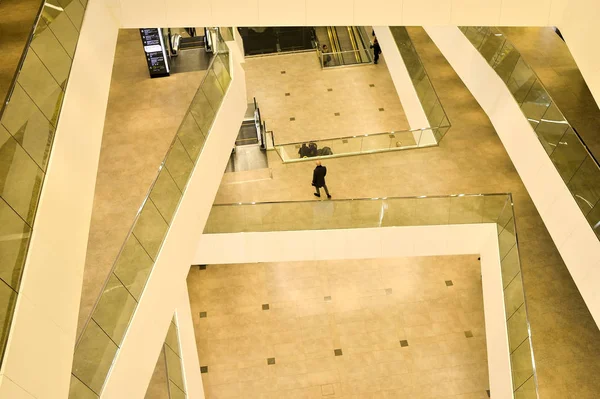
point(253, 199)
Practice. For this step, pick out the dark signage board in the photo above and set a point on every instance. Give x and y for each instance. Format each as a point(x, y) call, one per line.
point(156, 56)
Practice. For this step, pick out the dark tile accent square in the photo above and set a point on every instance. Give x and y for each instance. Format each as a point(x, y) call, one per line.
point(469, 334)
point(202, 267)
point(337, 114)
point(345, 141)
point(337, 352)
point(403, 343)
point(388, 291)
point(449, 283)
point(283, 72)
point(292, 119)
point(381, 109)
point(204, 369)
point(330, 89)
point(371, 85)
point(287, 94)
point(488, 393)
point(327, 299)
point(202, 315)
point(265, 306)
point(271, 360)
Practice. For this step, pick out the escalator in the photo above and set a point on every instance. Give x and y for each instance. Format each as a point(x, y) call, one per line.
point(344, 45)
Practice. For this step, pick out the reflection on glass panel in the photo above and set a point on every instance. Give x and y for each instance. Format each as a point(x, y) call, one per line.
point(14, 238)
point(506, 241)
point(133, 266)
point(594, 218)
point(39, 84)
point(51, 53)
point(466, 209)
point(433, 211)
point(375, 142)
point(150, 229)
point(585, 185)
point(517, 328)
point(93, 357)
point(74, 11)
point(568, 155)
point(491, 46)
point(513, 296)
point(536, 103)
point(8, 298)
point(174, 368)
point(202, 111)
point(78, 390)
point(179, 164)
point(212, 89)
point(191, 137)
point(522, 368)
point(506, 61)
point(20, 178)
point(475, 35)
point(520, 81)
point(493, 206)
point(159, 383)
point(114, 309)
point(175, 391)
point(527, 390)
point(63, 29)
point(172, 339)
point(551, 128)
point(400, 213)
point(165, 195)
point(221, 71)
point(510, 266)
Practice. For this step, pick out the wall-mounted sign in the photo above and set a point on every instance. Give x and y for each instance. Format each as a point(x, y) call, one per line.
point(156, 55)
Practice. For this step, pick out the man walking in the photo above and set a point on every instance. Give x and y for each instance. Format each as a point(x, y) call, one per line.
point(376, 50)
point(319, 179)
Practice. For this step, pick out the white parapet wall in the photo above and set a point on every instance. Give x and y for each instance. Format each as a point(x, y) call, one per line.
point(385, 242)
point(39, 354)
point(135, 360)
point(404, 86)
point(571, 232)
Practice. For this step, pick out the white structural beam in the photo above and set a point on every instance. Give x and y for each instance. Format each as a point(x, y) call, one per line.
point(39, 354)
point(570, 231)
point(134, 363)
point(385, 242)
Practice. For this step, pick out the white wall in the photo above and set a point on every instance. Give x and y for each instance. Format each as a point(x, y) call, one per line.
point(138, 13)
point(385, 242)
point(573, 236)
point(406, 90)
point(135, 361)
point(38, 359)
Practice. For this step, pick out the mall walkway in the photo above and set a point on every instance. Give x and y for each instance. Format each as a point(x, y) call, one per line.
point(470, 159)
point(552, 61)
point(142, 117)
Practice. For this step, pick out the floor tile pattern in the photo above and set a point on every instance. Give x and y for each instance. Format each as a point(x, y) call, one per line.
point(320, 95)
point(354, 346)
point(470, 159)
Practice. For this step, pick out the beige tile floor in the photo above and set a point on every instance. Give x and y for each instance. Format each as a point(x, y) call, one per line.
point(141, 120)
point(470, 159)
point(313, 106)
point(363, 307)
point(552, 61)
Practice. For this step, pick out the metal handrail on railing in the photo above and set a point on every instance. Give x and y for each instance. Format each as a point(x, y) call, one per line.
point(573, 160)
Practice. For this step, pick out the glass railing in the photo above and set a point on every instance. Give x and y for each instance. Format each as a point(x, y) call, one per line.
point(430, 101)
point(343, 58)
point(28, 121)
point(356, 145)
point(574, 162)
point(104, 331)
point(167, 380)
point(427, 136)
point(417, 211)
